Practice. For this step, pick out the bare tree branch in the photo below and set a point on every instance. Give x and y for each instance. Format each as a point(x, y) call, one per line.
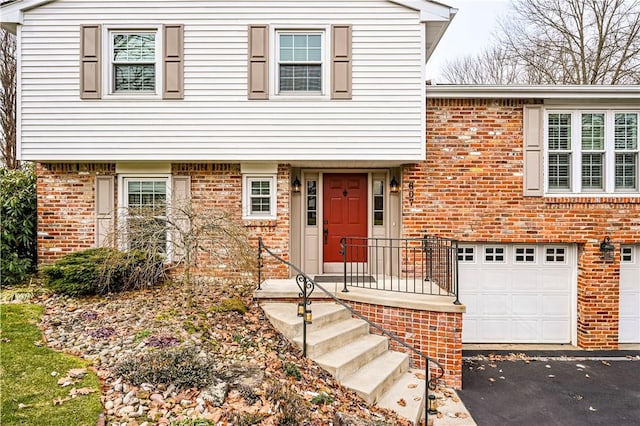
point(8, 99)
point(559, 42)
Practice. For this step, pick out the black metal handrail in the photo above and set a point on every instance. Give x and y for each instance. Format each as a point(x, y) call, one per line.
point(306, 285)
point(427, 265)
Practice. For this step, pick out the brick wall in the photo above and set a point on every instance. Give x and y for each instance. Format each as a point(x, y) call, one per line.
point(66, 211)
point(470, 188)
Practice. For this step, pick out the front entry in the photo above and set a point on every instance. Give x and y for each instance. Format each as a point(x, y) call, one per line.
point(344, 214)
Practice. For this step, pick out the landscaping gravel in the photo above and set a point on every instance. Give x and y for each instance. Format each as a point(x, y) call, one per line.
point(246, 358)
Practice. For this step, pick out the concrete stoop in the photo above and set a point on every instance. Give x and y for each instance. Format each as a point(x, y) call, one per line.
point(360, 361)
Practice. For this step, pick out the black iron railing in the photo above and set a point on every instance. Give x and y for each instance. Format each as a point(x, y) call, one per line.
point(306, 285)
point(427, 265)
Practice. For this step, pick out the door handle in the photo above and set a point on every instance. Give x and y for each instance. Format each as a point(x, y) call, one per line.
point(326, 235)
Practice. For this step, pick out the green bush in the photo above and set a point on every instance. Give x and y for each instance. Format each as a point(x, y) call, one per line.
point(182, 366)
point(292, 370)
point(17, 224)
point(103, 270)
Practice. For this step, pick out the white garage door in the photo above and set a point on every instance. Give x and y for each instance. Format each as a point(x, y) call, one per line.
point(629, 328)
point(517, 293)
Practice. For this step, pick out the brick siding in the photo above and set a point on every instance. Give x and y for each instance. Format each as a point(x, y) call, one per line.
point(471, 188)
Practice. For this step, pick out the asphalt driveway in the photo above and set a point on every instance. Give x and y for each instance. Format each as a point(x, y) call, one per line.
point(563, 390)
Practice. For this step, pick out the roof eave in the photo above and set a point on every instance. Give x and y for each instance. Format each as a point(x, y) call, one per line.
point(533, 92)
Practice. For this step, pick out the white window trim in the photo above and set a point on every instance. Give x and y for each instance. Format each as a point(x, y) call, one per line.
point(107, 68)
point(274, 49)
point(123, 210)
point(246, 196)
point(576, 154)
point(504, 254)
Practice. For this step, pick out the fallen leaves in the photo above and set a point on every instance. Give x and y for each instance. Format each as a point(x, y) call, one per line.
point(412, 386)
point(401, 402)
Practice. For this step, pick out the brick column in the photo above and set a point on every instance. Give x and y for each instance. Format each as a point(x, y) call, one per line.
point(598, 298)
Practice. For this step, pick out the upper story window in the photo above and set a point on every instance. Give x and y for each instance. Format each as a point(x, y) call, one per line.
point(134, 57)
point(592, 151)
point(300, 62)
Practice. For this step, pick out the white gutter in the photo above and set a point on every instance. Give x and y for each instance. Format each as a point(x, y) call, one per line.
point(533, 92)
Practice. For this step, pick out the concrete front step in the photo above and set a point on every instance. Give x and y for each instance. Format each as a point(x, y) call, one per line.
point(284, 317)
point(406, 396)
point(360, 361)
point(349, 358)
point(332, 336)
point(377, 376)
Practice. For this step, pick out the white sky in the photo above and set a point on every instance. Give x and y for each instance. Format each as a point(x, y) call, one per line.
point(469, 32)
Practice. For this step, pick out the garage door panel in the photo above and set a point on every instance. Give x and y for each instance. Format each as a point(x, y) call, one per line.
point(555, 278)
point(494, 280)
point(521, 300)
point(556, 304)
point(525, 304)
point(525, 280)
point(525, 331)
point(629, 326)
point(494, 328)
point(555, 331)
point(497, 304)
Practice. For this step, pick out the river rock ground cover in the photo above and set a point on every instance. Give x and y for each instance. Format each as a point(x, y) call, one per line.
point(227, 367)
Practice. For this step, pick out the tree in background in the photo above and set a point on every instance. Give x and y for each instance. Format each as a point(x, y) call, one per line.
point(8, 99)
point(559, 42)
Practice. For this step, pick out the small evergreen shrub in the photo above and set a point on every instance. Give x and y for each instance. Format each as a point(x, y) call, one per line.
point(182, 366)
point(103, 270)
point(292, 370)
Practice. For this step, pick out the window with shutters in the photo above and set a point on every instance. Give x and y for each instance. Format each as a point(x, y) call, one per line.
point(300, 58)
point(592, 151)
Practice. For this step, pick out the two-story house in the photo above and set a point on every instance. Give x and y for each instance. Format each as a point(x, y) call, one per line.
point(309, 121)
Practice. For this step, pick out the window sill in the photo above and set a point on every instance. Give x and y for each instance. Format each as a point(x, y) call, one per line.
point(592, 199)
point(260, 223)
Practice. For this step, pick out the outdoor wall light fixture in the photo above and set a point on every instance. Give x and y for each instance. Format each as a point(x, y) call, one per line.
point(431, 407)
point(295, 186)
point(608, 249)
point(394, 185)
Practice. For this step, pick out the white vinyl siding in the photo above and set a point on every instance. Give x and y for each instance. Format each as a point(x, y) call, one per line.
point(592, 152)
point(383, 121)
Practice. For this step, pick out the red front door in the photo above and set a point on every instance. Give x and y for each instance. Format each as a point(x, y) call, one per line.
point(344, 212)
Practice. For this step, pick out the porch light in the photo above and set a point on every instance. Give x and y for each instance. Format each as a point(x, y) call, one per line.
point(608, 249)
point(394, 185)
point(308, 316)
point(432, 406)
point(301, 309)
point(295, 186)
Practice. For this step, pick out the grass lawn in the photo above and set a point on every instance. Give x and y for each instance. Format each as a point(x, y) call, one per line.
point(25, 375)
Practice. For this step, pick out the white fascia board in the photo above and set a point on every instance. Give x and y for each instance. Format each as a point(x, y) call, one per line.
point(429, 10)
point(12, 12)
point(533, 92)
